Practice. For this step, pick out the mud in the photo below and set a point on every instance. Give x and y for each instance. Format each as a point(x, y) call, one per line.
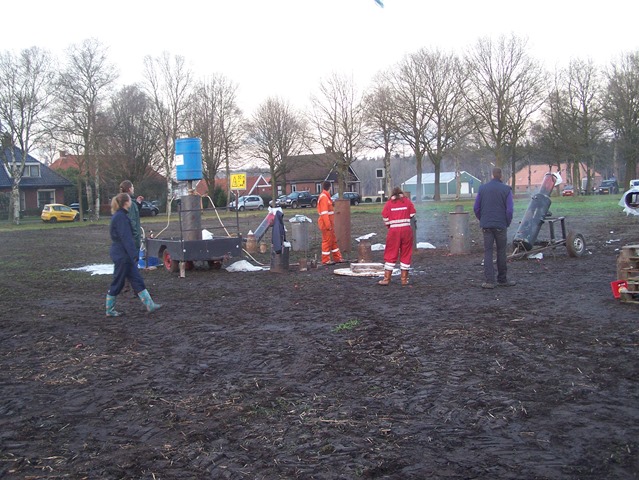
point(312, 375)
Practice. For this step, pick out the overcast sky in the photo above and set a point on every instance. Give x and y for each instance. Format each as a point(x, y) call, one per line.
point(285, 47)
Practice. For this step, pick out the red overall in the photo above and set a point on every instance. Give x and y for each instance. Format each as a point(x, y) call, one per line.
point(326, 224)
point(397, 213)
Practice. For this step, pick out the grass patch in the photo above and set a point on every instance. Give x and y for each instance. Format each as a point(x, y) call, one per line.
point(346, 326)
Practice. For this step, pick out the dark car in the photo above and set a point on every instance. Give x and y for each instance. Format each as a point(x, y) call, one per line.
point(568, 191)
point(608, 187)
point(75, 206)
point(354, 197)
point(147, 209)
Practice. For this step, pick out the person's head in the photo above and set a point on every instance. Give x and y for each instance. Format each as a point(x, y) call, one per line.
point(397, 193)
point(121, 200)
point(326, 185)
point(497, 173)
point(126, 187)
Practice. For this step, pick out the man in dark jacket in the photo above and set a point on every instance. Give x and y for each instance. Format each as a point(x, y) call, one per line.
point(494, 210)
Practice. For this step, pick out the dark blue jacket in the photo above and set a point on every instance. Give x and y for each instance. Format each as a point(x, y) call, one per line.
point(123, 245)
point(494, 205)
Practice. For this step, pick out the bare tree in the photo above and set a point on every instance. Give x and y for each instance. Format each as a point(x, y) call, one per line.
point(83, 87)
point(275, 133)
point(379, 108)
point(168, 82)
point(622, 109)
point(133, 140)
point(449, 124)
point(574, 118)
point(216, 118)
point(498, 74)
point(413, 111)
point(26, 81)
point(338, 120)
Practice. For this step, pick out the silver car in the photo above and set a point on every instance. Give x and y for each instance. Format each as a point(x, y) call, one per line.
point(247, 202)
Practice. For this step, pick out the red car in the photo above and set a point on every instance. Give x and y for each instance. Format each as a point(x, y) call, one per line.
point(568, 191)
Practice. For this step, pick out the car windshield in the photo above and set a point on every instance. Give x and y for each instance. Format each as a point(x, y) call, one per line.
point(607, 183)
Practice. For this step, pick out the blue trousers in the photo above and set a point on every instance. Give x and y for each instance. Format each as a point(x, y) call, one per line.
point(497, 237)
point(125, 269)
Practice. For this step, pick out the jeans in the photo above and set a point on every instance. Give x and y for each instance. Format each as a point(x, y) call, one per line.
point(495, 236)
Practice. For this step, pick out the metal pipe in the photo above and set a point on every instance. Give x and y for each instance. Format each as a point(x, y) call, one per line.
point(533, 219)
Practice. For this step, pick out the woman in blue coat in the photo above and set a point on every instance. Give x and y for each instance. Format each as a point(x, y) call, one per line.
point(125, 257)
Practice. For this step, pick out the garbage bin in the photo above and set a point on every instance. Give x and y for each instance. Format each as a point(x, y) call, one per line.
point(299, 233)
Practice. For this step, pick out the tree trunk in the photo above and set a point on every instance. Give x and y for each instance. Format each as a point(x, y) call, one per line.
point(387, 170)
point(15, 200)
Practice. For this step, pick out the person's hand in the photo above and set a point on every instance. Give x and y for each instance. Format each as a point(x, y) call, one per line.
point(139, 199)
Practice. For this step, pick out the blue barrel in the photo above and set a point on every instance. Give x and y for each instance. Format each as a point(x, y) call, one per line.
point(188, 158)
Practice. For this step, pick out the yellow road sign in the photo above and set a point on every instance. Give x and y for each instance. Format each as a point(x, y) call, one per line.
point(238, 181)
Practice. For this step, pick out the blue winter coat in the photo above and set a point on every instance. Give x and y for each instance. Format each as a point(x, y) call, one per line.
point(123, 244)
point(494, 205)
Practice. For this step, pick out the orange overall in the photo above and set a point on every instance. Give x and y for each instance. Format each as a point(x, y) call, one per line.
point(326, 224)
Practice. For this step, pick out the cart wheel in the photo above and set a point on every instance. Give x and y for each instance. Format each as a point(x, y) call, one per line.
point(576, 244)
point(171, 265)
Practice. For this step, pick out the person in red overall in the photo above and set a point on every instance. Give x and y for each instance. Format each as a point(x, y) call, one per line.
point(326, 224)
point(397, 214)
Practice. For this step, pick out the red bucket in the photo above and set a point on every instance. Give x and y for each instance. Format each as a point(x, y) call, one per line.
point(618, 285)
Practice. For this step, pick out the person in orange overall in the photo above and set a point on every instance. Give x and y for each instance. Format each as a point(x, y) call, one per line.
point(397, 214)
point(326, 224)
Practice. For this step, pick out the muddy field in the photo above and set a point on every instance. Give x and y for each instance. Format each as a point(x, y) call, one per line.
point(312, 375)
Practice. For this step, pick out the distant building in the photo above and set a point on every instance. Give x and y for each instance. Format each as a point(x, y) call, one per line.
point(308, 172)
point(447, 185)
point(528, 179)
point(39, 185)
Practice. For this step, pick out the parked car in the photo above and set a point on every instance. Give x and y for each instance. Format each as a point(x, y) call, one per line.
point(634, 183)
point(75, 206)
point(608, 187)
point(57, 212)
point(247, 202)
point(354, 197)
point(568, 191)
point(300, 199)
point(147, 209)
point(280, 201)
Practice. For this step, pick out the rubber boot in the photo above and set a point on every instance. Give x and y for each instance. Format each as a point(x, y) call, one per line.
point(110, 307)
point(404, 277)
point(148, 302)
point(387, 278)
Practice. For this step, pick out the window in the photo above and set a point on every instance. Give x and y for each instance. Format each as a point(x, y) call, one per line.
point(45, 196)
point(318, 188)
point(293, 188)
point(31, 171)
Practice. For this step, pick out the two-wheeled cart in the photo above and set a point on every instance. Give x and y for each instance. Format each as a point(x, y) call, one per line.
point(574, 242)
point(526, 243)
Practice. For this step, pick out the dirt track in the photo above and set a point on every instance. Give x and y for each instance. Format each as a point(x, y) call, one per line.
point(253, 375)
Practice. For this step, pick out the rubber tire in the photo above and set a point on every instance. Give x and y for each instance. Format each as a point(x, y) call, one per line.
point(153, 213)
point(576, 244)
point(261, 207)
point(241, 209)
point(314, 203)
point(172, 266)
point(356, 202)
point(53, 220)
point(76, 218)
point(294, 205)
